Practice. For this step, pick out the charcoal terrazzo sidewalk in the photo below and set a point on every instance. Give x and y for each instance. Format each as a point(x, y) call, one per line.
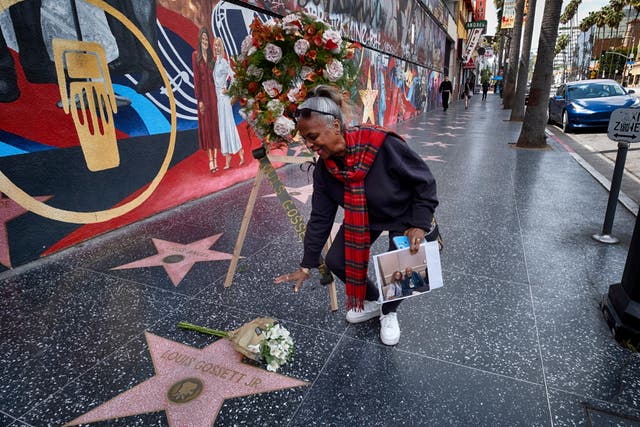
point(514, 338)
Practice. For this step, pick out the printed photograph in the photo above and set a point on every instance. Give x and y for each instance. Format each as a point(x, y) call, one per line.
point(399, 274)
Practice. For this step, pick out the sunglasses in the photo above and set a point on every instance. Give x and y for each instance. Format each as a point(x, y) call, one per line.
point(305, 113)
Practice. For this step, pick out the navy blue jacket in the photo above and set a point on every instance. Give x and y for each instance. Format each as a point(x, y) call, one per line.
point(400, 191)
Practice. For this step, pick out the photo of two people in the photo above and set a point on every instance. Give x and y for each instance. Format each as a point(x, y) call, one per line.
point(399, 274)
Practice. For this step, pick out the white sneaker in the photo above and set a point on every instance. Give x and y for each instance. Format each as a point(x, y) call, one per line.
point(389, 329)
point(370, 310)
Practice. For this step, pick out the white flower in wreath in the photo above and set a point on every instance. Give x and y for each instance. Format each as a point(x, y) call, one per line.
point(272, 87)
point(305, 71)
point(247, 43)
point(291, 23)
point(276, 107)
point(253, 71)
point(273, 366)
point(301, 47)
point(272, 53)
point(292, 94)
point(334, 70)
point(335, 37)
point(283, 126)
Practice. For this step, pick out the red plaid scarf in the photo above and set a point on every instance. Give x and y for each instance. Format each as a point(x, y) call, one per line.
point(362, 146)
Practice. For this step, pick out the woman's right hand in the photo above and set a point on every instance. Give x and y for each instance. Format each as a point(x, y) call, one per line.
point(297, 276)
point(201, 106)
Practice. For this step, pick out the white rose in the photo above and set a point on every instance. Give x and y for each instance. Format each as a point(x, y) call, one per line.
point(301, 47)
point(335, 37)
point(275, 107)
point(273, 366)
point(272, 53)
point(272, 87)
point(334, 70)
point(283, 126)
point(246, 44)
point(291, 23)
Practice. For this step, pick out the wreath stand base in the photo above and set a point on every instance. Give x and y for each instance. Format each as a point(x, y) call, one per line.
point(298, 223)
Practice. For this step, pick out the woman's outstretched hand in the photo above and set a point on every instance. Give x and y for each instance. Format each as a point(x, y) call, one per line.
point(297, 276)
point(416, 237)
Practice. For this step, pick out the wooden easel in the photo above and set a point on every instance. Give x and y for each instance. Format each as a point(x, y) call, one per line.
point(331, 286)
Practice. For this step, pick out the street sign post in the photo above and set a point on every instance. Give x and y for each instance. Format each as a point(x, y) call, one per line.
point(624, 127)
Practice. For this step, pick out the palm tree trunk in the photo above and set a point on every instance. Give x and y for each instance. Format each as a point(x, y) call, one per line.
point(517, 110)
point(514, 53)
point(532, 133)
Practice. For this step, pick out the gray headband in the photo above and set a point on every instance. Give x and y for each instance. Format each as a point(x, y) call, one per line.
point(323, 104)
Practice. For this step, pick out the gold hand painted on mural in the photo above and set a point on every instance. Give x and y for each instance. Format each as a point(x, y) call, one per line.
point(34, 205)
point(90, 99)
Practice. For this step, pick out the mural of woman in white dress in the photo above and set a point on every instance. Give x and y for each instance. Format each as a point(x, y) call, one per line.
point(229, 138)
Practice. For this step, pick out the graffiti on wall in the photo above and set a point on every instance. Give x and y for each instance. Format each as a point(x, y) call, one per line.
point(401, 28)
point(127, 115)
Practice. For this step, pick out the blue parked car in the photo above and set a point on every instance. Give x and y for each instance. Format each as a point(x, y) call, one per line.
point(588, 103)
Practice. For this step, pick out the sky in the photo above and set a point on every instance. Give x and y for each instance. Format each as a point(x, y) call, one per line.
point(583, 10)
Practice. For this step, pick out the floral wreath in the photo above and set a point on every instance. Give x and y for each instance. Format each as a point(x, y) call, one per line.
point(279, 63)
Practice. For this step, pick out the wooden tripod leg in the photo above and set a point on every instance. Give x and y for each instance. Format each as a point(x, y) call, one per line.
point(331, 287)
point(243, 229)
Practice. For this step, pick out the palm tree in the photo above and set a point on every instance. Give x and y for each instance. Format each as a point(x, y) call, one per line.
point(585, 25)
point(614, 17)
point(635, 4)
point(532, 133)
point(514, 52)
point(569, 11)
point(499, 33)
point(517, 110)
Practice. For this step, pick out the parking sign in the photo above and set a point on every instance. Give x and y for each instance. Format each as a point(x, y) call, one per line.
point(624, 125)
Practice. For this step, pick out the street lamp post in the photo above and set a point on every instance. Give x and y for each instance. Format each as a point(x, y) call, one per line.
point(627, 58)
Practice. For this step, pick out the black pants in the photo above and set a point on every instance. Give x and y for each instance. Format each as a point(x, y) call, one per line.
point(445, 100)
point(336, 262)
point(484, 95)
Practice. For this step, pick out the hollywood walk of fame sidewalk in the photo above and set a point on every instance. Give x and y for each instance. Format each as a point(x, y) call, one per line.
point(515, 337)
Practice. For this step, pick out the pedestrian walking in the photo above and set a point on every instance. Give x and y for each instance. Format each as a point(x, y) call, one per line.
point(485, 89)
point(468, 92)
point(446, 88)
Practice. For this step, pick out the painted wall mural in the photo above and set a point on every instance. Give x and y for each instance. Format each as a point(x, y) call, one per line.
point(125, 114)
point(401, 28)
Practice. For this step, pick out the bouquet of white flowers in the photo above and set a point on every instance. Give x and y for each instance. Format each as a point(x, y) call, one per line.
point(262, 340)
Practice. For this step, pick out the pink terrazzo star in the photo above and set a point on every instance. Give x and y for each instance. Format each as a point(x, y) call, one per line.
point(177, 259)
point(433, 159)
point(190, 384)
point(302, 194)
point(8, 211)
